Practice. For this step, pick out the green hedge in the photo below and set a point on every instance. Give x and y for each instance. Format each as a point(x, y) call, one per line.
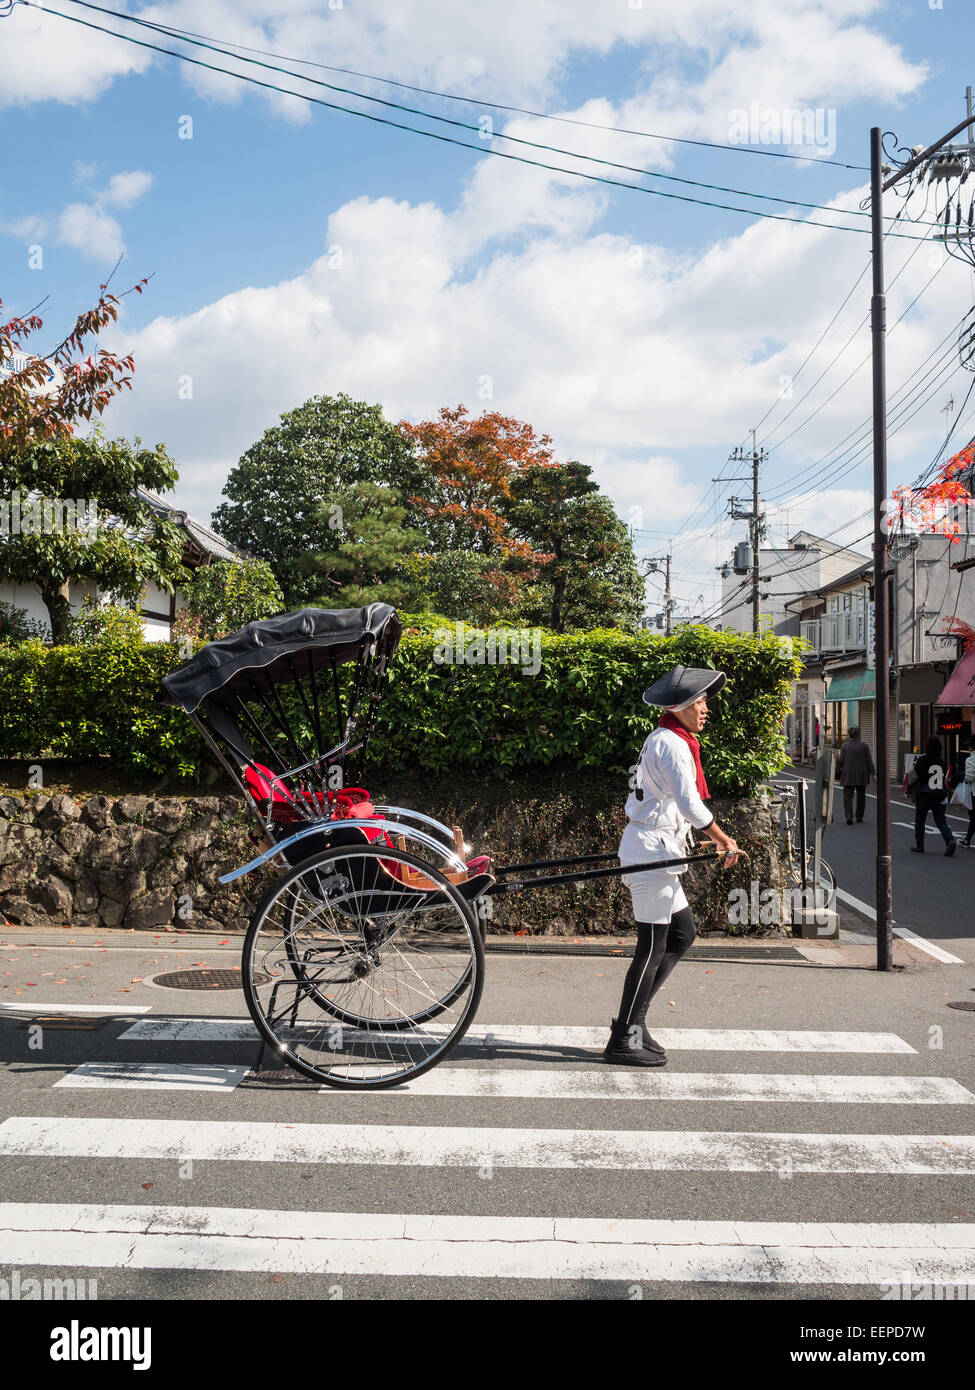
point(583, 708)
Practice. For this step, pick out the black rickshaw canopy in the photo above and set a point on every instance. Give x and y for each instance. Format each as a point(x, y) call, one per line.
point(276, 650)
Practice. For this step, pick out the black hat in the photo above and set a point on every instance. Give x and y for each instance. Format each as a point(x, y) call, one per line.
point(683, 685)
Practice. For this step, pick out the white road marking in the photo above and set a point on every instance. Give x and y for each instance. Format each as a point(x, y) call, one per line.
point(469, 1147)
point(633, 1084)
point(154, 1076)
point(557, 1084)
point(554, 1036)
point(30, 1006)
point(308, 1242)
point(938, 952)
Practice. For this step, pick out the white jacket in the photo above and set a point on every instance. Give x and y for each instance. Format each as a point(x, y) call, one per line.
point(970, 769)
point(660, 822)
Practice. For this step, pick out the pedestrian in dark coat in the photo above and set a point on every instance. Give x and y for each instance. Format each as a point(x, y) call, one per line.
point(855, 769)
point(930, 794)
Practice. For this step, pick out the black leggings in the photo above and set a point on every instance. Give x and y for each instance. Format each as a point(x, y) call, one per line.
point(660, 946)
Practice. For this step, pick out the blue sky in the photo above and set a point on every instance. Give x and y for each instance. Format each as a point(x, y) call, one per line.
point(461, 273)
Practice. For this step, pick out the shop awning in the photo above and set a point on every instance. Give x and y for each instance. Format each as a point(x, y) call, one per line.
point(862, 686)
point(960, 689)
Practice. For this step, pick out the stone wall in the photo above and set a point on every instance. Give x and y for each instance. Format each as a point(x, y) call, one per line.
point(143, 864)
point(131, 862)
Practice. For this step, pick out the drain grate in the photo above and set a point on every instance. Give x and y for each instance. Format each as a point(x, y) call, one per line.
point(528, 946)
point(968, 1004)
point(86, 1025)
point(205, 979)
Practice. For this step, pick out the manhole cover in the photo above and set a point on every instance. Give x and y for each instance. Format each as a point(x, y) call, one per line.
point(205, 979)
point(964, 1004)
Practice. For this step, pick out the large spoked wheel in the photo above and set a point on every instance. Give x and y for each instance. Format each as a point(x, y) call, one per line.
point(323, 963)
point(357, 980)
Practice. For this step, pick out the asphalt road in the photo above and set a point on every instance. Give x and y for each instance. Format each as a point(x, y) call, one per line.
point(932, 895)
point(810, 1137)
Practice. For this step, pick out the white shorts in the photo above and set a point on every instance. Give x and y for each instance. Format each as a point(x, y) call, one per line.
point(656, 896)
point(658, 893)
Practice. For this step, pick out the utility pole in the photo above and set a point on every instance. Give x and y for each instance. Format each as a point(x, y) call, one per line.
point(654, 563)
point(881, 572)
point(755, 517)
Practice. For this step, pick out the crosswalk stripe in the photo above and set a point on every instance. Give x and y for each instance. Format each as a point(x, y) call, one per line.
point(455, 1146)
point(634, 1084)
point(552, 1036)
point(156, 1076)
point(302, 1242)
point(558, 1084)
point(31, 1007)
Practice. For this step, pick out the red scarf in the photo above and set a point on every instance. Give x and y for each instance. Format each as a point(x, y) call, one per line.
point(670, 721)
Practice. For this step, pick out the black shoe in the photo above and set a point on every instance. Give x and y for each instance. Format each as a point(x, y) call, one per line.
point(917, 849)
point(949, 849)
point(651, 1043)
point(849, 820)
point(620, 1049)
point(859, 820)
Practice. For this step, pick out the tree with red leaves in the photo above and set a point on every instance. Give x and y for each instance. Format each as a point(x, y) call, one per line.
point(28, 411)
point(47, 472)
point(931, 508)
point(469, 465)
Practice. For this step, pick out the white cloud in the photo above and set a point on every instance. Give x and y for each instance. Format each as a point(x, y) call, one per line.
point(123, 189)
point(43, 59)
point(91, 231)
point(87, 227)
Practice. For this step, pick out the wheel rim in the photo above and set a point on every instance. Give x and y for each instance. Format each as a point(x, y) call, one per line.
point(368, 982)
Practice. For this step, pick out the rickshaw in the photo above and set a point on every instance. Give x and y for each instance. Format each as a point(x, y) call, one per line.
point(363, 962)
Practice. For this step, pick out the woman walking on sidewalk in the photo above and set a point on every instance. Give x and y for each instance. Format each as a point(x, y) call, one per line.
point(668, 800)
point(930, 794)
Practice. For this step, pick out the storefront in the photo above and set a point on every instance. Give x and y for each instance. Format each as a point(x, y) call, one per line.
point(926, 706)
point(850, 703)
point(954, 708)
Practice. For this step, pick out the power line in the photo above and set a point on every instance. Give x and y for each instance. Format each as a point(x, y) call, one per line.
point(817, 469)
point(832, 467)
point(463, 144)
point(856, 369)
point(836, 316)
point(228, 44)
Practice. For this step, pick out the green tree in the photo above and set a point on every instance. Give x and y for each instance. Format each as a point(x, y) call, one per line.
point(74, 514)
point(226, 595)
point(462, 585)
point(281, 494)
point(368, 540)
point(587, 575)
